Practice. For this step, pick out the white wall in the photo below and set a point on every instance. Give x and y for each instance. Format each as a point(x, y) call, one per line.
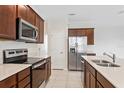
point(108, 38)
point(57, 47)
point(35, 50)
point(111, 39)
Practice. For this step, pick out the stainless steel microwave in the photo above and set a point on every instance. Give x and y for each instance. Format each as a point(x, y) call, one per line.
point(26, 31)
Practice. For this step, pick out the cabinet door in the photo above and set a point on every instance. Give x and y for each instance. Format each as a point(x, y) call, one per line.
point(72, 32)
point(8, 21)
point(81, 32)
point(92, 81)
point(98, 85)
point(40, 25)
point(22, 11)
point(103, 81)
point(38, 76)
point(31, 16)
point(82, 73)
point(41, 31)
point(49, 69)
point(9, 82)
point(87, 79)
point(37, 24)
point(90, 36)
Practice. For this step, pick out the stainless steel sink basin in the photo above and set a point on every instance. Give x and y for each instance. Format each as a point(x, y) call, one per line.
point(108, 65)
point(100, 61)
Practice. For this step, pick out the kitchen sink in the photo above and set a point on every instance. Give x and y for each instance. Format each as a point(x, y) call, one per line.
point(108, 65)
point(100, 61)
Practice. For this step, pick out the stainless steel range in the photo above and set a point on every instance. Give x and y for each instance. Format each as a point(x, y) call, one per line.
point(20, 56)
point(15, 55)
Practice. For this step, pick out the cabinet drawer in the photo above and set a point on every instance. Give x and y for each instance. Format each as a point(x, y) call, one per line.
point(103, 81)
point(90, 68)
point(23, 74)
point(9, 82)
point(24, 82)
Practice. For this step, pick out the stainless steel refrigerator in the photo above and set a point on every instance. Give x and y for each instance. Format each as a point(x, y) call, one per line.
point(77, 46)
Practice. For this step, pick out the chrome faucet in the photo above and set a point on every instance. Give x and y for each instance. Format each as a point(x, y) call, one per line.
point(113, 56)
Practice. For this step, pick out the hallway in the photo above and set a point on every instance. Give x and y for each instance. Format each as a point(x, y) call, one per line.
point(64, 79)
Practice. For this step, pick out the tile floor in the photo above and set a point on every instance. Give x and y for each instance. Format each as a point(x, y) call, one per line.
point(64, 79)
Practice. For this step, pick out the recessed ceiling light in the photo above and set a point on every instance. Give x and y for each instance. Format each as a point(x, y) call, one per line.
point(72, 14)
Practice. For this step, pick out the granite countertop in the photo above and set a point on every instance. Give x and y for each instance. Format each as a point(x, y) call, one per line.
point(7, 70)
point(34, 60)
point(115, 75)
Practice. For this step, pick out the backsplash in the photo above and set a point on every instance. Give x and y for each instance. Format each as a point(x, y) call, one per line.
point(34, 50)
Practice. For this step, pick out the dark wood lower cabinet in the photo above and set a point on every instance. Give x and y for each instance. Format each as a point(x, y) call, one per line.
point(82, 74)
point(98, 85)
point(9, 82)
point(19, 80)
point(41, 74)
point(93, 79)
point(103, 81)
point(38, 76)
point(24, 82)
point(24, 78)
point(48, 68)
point(29, 77)
point(87, 79)
point(90, 80)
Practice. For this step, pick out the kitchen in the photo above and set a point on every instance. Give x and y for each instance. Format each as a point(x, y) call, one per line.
point(51, 47)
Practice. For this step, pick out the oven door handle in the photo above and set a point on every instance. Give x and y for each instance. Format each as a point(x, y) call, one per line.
point(38, 64)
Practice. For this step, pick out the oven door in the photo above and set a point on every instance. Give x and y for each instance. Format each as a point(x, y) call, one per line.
point(38, 75)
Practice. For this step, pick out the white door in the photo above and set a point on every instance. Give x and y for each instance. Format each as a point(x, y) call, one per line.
point(57, 50)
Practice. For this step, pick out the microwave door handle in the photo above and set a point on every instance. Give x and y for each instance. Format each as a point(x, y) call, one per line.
point(36, 34)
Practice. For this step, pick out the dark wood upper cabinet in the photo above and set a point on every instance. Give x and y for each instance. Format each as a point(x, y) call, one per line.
point(77, 32)
point(8, 16)
point(28, 14)
point(8, 22)
point(81, 32)
point(41, 31)
point(89, 32)
point(37, 24)
point(40, 25)
point(90, 35)
point(22, 11)
point(72, 32)
point(31, 16)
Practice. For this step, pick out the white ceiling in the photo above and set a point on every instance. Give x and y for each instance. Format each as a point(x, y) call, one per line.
point(97, 14)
